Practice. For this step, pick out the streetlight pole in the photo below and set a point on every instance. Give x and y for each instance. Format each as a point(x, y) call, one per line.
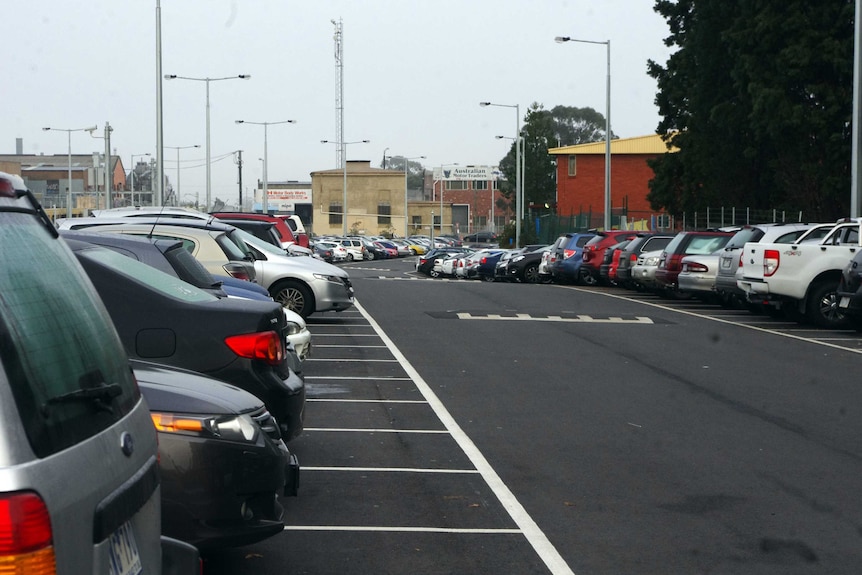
point(178, 148)
point(132, 176)
point(344, 175)
point(518, 183)
point(265, 156)
point(69, 138)
point(207, 81)
point(560, 40)
point(406, 223)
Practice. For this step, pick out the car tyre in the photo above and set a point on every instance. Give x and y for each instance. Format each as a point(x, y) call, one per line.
point(369, 255)
point(295, 296)
point(349, 257)
point(586, 278)
point(434, 273)
point(531, 274)
point(822, 306)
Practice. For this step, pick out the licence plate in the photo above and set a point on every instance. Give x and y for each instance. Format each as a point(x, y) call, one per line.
point(123, 552)
point(844, 303)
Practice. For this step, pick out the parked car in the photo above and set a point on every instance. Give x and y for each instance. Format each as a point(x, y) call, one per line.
point(684, 244)
point(425, 264)
point(259, 229)
point(416, 247)
point(697, 276)
point(594, 253)
point(566, 257)
point(610, 262)
point(222, 460)
point(643, 272)
point(849, 292)
point(354, 247)
point(486, 266)
point(480, 238)
point(373, 251)
point(214, 244)
point(523, 266)
point(304, 285)
point(642, 242)
point(80, 482)
point(401, 246)
point(336, 250)
point(390, 248)
point(729, 293)
point(284, 232)
point(163, 319)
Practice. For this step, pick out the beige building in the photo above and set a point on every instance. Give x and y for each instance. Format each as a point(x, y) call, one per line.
point(375, 203)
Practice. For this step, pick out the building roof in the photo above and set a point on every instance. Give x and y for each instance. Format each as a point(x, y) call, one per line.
point(652, 144)
point(54, 161)
point(358, 167)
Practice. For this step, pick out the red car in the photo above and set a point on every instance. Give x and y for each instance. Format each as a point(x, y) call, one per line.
point(284, 231)
point(594, 253)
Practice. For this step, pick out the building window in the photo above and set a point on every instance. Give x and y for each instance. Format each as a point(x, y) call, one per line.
point(480, 184)
point(416, 221)
point(335, 214)
point(435, 220)
point(496, 187)
point(456, 185)
point(573, 165)
point(383, 213)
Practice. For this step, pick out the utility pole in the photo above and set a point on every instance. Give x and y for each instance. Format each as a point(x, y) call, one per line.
point(239, 167)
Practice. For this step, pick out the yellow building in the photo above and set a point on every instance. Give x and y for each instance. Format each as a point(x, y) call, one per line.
point(375, 203)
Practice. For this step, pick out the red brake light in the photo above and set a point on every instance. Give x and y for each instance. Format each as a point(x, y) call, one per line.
point(238, 271)
point(266, 346)
point(695, 267)
point(568, 253)
point(771, 259)
point(25, 534)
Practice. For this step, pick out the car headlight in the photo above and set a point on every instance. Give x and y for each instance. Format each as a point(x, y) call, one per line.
point(328, 278)
point(517, 259)
point(230, 427)
point(293, 328)
point(653, 261)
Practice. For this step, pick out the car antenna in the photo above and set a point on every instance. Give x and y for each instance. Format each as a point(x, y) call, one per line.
point(156, 221)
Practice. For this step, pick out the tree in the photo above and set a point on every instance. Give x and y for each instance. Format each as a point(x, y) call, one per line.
point(415, 170)
point(757, 101)
point(543, 129)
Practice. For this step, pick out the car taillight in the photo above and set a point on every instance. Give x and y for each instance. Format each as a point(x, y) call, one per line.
point(238, 271)
point(694, 267)
point(265, 346)
point(26, 540)
point(633, 258)
point(771, 260)
point(568, 253)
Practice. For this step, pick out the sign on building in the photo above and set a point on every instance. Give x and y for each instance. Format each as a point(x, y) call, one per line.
point(466, 173)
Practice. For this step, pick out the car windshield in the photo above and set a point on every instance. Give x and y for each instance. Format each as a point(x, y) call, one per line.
point(261, 245)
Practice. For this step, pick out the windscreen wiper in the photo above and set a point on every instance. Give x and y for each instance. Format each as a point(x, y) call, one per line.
point(97, 395)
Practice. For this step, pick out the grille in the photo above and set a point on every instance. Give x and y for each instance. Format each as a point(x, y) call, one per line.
point(267, 423)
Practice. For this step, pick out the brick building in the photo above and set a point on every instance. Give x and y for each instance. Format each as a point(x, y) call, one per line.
point(581, 178)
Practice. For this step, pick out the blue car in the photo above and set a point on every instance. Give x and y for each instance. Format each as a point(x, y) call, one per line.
point(567, 257)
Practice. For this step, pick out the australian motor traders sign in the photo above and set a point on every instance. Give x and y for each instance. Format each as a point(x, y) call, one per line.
point(466, 173)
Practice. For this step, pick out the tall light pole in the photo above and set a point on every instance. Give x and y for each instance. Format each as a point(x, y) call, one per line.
point(518, 184)
point(132, 175)
point(344, 175)
point(406, 160)
point(207, 81)
point(265, 156)
point(107, 177)
point(178, 148)
point(69, 136)
point(560, 40)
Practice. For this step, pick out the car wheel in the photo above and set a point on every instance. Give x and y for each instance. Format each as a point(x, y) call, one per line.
point(822, 306)
point(434, 273)
point(349, 257)
point(295, 296)
point(587, 278)
point(487, 278)
point(531, 274)
point(369, 255)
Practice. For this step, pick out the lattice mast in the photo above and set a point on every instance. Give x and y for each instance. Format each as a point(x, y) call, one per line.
point(339, 93)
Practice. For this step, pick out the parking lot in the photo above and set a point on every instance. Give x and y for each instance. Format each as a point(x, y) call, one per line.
point(463, 427)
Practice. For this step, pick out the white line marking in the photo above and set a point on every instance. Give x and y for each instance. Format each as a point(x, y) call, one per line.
point(555, 318)
point(416, 401)
point(394, 470)
point(346, 360)
point(352, 346)
point(372, 430)
point(350, 378)
point(535, 536)
point(719, 320)
point(401, 529)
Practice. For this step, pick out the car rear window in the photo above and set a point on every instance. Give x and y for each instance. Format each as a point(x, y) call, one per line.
point(56, 338)
point(745, 235)
point(702, 245)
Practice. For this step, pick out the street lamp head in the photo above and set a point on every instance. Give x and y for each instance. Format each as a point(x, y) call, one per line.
point(365, 141)
point(239, 121)
point(483, 104)
point(561, 39)
point(46, 129)
point(170, 76)
point(244, 76)
point(91, 129)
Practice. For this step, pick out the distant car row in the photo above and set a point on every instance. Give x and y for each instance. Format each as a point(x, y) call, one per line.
point(819, 266)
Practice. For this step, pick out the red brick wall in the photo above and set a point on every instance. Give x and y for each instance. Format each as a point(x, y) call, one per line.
point(585, 191)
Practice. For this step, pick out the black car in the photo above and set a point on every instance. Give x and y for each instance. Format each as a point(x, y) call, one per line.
point(374, 251)
point(259, 229)
point(164, 319)
point(425, 263)
point(642, 242)
point(480, 238)
point(524, 266)
point(222, 460)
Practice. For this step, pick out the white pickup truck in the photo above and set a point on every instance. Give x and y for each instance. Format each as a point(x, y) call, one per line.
point(801, 278)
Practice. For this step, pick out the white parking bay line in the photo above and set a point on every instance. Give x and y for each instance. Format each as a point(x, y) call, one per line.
point(535, 536)
point(400, 529)
point(393, 470)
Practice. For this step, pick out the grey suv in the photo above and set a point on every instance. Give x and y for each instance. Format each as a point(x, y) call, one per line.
point(78, 461)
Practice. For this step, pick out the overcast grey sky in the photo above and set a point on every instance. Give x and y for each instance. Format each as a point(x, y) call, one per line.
point(414, 73)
